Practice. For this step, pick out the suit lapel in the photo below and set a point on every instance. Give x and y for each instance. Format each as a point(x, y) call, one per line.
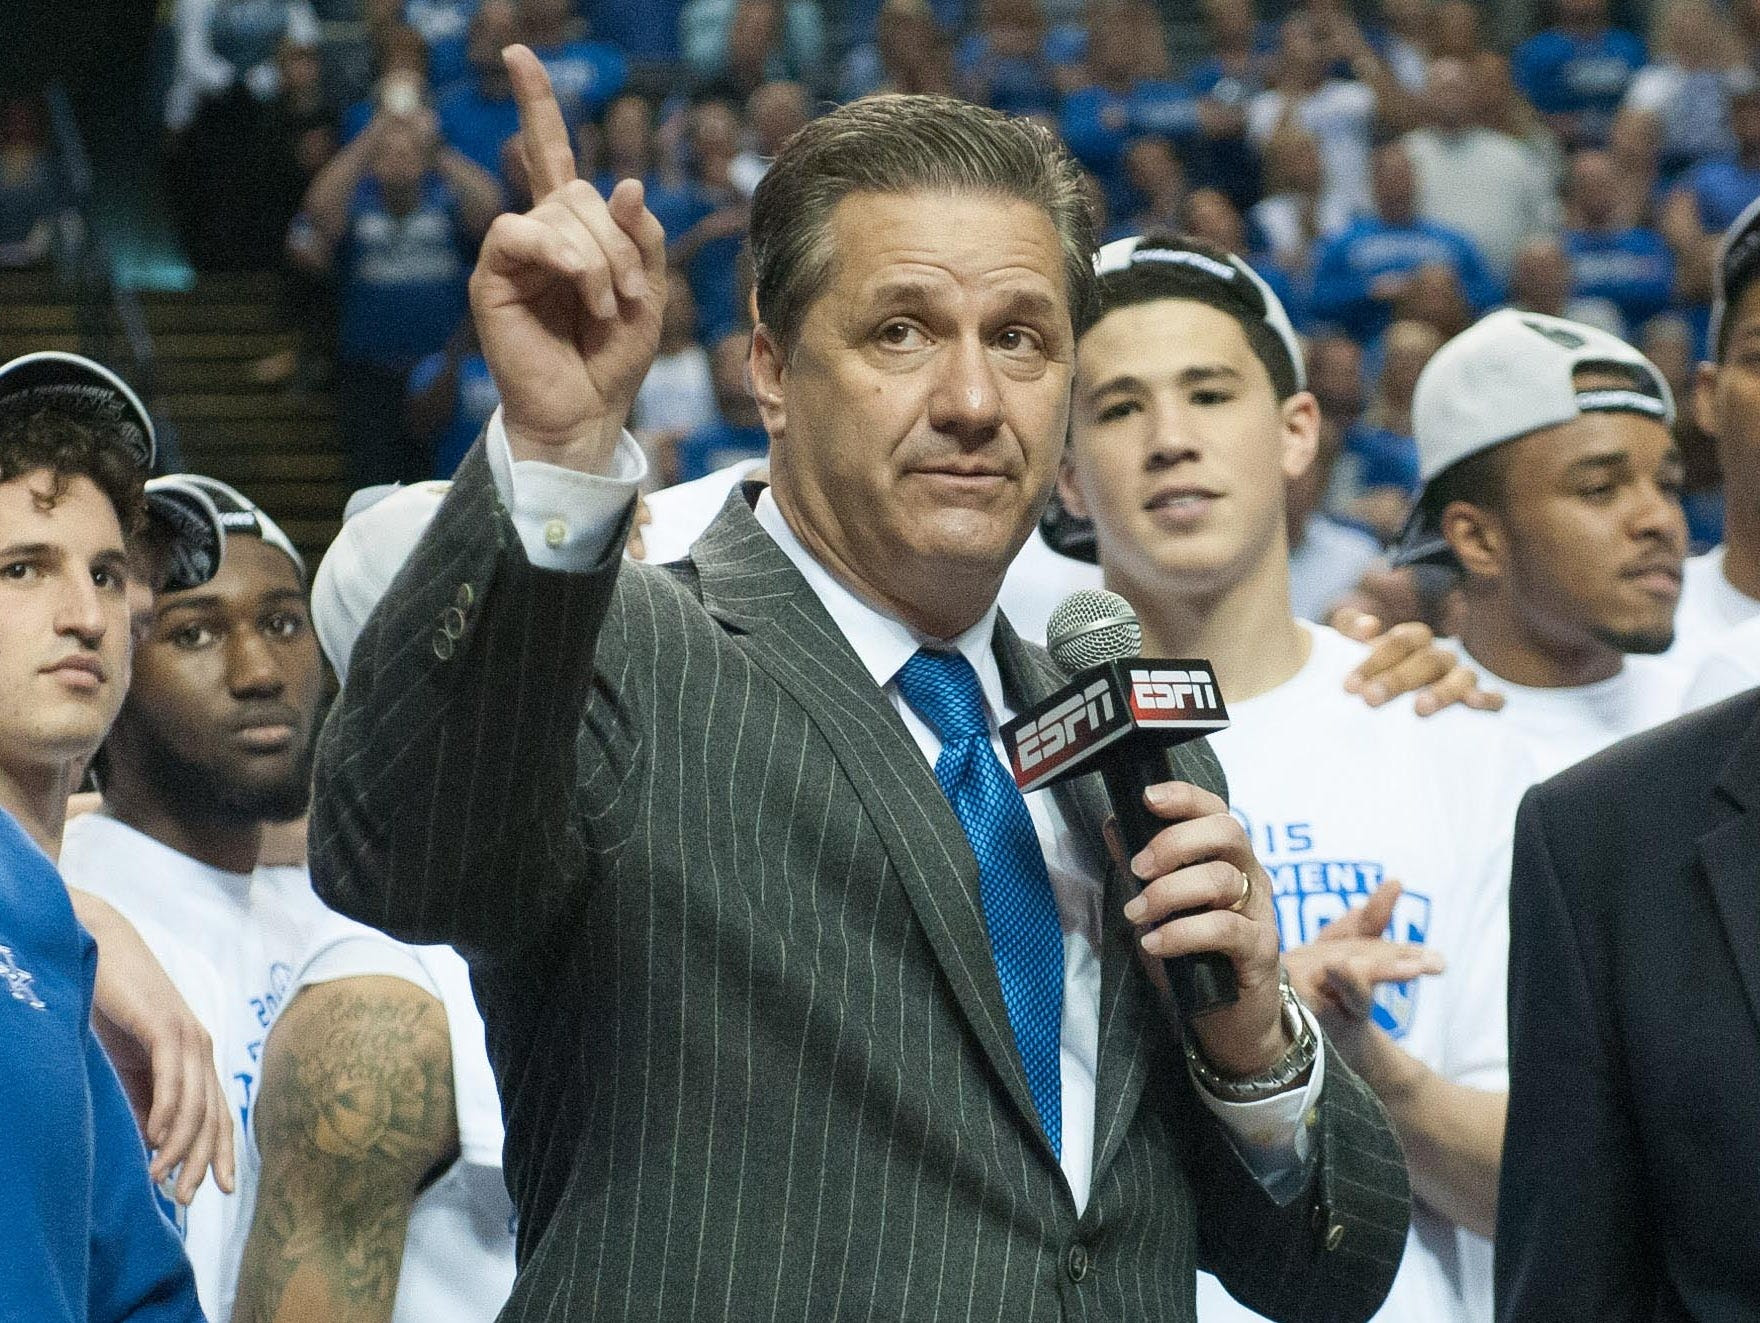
point(752, 588)
point(1029, 675)
point(1730, 856)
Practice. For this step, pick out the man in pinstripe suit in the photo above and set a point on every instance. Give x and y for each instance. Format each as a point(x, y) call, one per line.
point(751, 992)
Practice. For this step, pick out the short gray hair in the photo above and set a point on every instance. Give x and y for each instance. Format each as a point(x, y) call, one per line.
point(902, 144)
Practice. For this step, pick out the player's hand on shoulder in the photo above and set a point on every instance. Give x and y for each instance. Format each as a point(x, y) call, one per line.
point(1407, 659)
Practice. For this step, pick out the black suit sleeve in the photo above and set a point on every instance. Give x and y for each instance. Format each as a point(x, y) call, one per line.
point(1571, 1242)
point(446, 772)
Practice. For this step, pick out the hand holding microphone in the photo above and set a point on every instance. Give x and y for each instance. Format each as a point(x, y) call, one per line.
point(1205, 905)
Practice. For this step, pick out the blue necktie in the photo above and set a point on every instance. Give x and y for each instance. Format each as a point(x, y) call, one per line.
point(1026, 936)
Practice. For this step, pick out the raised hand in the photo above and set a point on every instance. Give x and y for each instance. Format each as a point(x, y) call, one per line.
point(567, 297)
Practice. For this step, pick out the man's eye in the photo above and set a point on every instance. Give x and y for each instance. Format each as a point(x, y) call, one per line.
point(1211, 397)
point(899, 335)
point(1113, 412)
point(107, 579)
point(192, 636)
point(1015, 340)
point(286, 625)
point(19, 570)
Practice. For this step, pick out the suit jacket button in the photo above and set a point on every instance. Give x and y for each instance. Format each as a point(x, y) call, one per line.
point(1078, 1262)
point(443, 645)
point(452, 623)
point(466, 595)
point(1335, 1235)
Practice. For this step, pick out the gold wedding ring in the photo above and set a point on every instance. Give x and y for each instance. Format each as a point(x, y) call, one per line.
point(1240, 903)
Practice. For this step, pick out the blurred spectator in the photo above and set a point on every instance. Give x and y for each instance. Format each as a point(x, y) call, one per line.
point(644, 30)
point(228, 46)
point(1341, 114)
point(400, 81)
point(1156, 177)
point(1327, 556)
point(478, 115)
point(225, 175)
point(627, 146)
point(1455, 32)
point(1292, 217)
point(1434, 296)
point(31, 209)
point(1484, 184)
point(1686, 89)
point(678, 395)
point(735, 46)
point(444, 26)
point(712, 226)
point(1406, 40)
point(1239, 51)
point(776, 111)
point(585, 74)
point(1610, 257)
point(1713, 193)
point(1211, 215)
point(1576, 71)
point(738, 433)
point(1012, 59)
point(910, 52)
point(1498, 105)
point(1335, 379)
point(397, 217)
point(1383, 460)
point(1130, 93)
point(450, 397)
point(1361, 275)
point(1540, 281)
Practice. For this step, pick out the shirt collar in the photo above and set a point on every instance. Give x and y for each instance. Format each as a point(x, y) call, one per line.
point(883, 643)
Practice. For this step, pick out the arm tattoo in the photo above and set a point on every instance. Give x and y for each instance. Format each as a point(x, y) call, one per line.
point(356, 1110)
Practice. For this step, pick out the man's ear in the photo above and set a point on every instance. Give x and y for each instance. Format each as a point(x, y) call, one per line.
point(766, 368)
point(1705, 398)
point(1477, 538)
point(1301, 434)
point(1069, 491)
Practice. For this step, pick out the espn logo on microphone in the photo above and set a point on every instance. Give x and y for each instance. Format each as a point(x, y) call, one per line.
point(1133, 697)
point(1156, 694)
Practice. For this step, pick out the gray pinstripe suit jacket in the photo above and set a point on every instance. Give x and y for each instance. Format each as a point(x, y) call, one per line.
point(725, 933)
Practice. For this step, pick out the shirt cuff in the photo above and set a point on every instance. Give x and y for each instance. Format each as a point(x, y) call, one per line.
point(564, 518)
point(1273, 1135)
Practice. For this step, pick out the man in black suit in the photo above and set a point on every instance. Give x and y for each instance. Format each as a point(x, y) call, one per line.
point(799, 1010)
point(1631, 1169)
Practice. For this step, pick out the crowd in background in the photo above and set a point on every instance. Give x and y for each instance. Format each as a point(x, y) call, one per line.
point(1391, 172)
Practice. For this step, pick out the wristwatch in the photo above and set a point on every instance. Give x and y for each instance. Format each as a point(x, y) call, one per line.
point(1281, 1074)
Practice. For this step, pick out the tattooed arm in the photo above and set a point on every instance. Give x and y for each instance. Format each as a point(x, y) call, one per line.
point(354, 1117)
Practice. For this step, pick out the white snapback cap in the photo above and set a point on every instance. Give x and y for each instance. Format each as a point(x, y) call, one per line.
point(381, 527)
point(1509, 374)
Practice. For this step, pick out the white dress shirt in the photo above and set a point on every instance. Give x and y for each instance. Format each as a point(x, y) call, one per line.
point(566, 518)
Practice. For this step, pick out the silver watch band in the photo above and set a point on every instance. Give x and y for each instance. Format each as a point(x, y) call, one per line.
point(1280, 1075)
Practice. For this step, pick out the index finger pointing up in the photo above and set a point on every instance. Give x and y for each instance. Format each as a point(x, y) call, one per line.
point(543, 132)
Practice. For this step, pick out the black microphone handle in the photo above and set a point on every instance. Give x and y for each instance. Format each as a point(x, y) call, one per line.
point(1203, 982)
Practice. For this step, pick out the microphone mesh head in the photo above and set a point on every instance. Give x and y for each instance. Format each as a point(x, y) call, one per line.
point(1091, 627)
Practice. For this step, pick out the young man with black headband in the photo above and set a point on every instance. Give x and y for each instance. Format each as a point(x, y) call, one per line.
point(1189, 418)
point(84, 1242)
point(1552, 483)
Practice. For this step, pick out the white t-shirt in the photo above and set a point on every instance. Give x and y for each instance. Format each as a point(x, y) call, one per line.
point(1339, 797)
point(458, 1260)
point(1710, 605)
point(1037, 582)
point(1562, 726)
point(231, 943)
point(677, 394)
point(1729, 665)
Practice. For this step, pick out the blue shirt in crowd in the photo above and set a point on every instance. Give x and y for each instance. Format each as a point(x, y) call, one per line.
point(1369, 248)
point(1098, 125)
point(1564, 74)
point(1382, 457)
point(644, 30)
point(717, 444)
point(1632, 269)
point(585, 74)
point(402, 278)
point(474, 398)
point(85, 1241)
point(445, 26)
point(476, 126)
point(1013, 85)
point(1721, 188)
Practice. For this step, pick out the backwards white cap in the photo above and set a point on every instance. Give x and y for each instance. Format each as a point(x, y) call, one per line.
point(1509, 374)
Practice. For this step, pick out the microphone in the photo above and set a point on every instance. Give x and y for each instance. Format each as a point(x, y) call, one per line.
point(1118, 716)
